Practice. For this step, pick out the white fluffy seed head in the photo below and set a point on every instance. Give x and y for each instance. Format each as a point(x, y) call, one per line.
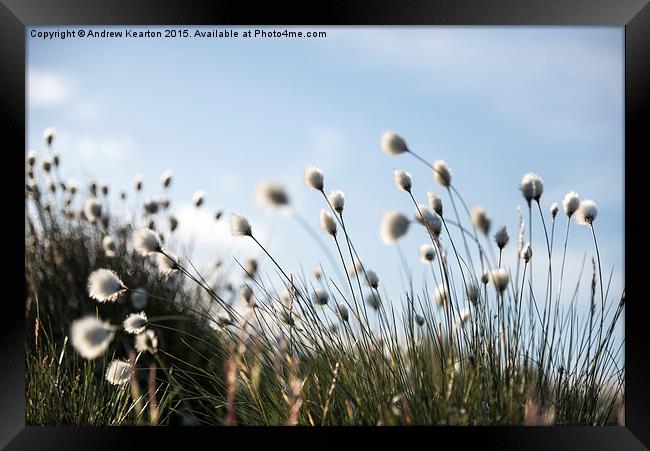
point(441, 295)
point(426, 217)
point(167, 264)
point(327, 223)
point(501, 237)
point(337, 199)
point(587, 212)
point(246, 294)
point(526, 253)
point(146, 242)
point(464, 316)
point(92, 209)
point(31, 157)
point(419, 320)
point(355, 268)
point(392, 143)
point(427, 253)
point(48, 135)
point(104, 285)
point(472, 292)
point(571, 203)
point(119, 372)
point(198, 198)
point(393, 226)
point(531, 187)
point(151, 206)
point(239, 225)
point(137, 183)
point(554, 208)
point(500, 279)
point(135, 323)
point(166, 178)
point(91, 336)
point(480, 219)
point(109, 246)
point(402, 180)
point(271, 195)
point(372, 279)
point(373, 300)
point(317, 273)
point(485, 278)
point(139, 298)
point(320, 296)
point(250, 268)
point(314, 178)
point(147, 341)
point(435, 203)
point(442, 173)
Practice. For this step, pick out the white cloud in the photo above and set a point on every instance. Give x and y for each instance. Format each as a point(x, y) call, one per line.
point(47, 88)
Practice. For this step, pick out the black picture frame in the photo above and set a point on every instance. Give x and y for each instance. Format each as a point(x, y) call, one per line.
point(18, 15)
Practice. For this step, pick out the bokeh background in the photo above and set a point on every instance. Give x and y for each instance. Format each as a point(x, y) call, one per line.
point(225, 114)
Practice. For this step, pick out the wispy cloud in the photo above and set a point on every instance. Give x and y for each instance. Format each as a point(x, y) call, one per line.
point(47, 88)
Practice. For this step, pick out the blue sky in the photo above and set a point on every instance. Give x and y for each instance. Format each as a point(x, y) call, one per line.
point(224, 114)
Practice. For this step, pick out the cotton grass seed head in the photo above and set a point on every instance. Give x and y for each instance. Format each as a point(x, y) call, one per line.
point(531, 187)
point(320, 296)
point(166, 178)
point(151, 206)
point(135, 323)
point(343, 312)
point(554, 208)
point(146, 242)
point(336, 199)
point(419, 320)
point(393, 226)
point(92, 209)
point(373, 300)
point(139, 298)
point(435, 203)
point(46, 165)
point(119, 372)
point(314, 178)
point(427, 253)
point(500, 279)
point(472, 292)
point(31, 158)
point(109, 246)
point(239, 225)
point(167, 264)
point(501, 237)
point(317, 273)
point(246, 294)
point(442, 173)
point(480, 219)
point(571, 203)
point(526, 253)
point(198, 198)
point(355, 268)
point(392, 143)
point(90, 336)
point(48, 135)
point(372, 279)
point(271, 195)
point(146, 341)
point(426, 217)
point(104, 285)
point(327, 223)
point(441, 295)
point(587, 212)
point(402, 180)
point(173, 223)
point(485, 278)
point(137, 183)
point(250, 268)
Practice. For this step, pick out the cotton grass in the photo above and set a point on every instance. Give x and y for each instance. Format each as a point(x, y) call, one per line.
point(90, 336)
point(427, 254)
point(147, 341)
point(392, 143)
point(336, 199)
point(442, 173)
point(480, 219)
point(402, 180)
point(105, 286)
point(500, 279)
point(393, 226)
point(92, 209)
point(109, 246)
point(135, 323)
point(531, 187)
point(571, 203)
point(271, 195)
point(435, 203)
point(501, 237)
point(586, 214)
point(198, 198)
point(327, 223)
point(314, 178)
point(239, 225)
point(167, 263)
point(119, 372)
point(146, 242)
